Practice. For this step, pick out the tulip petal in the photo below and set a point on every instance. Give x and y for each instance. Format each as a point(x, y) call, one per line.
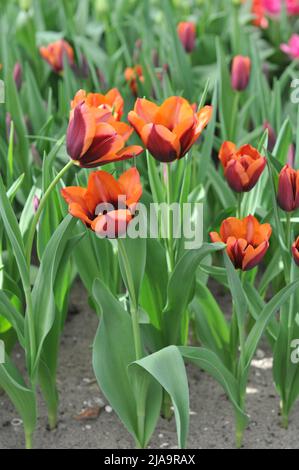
point(113, 224)
point(226, 151)
point(102, 187)
point(130, 184)
point(80, 132)
point(77, 211)
point(236, 176)
point(173, 111)
point(285, 196)
point(215, 238)
point(124, 154)
point(162, 144)
point(253, 256)
point(254, 171)
point(136, 121)
point(232, 227)
point(74, 194)
point(146, 110)
point(106, 141)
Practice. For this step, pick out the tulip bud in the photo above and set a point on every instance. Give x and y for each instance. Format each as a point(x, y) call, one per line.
point(17, 75)
point(271, 135)
point(36, 202)
point(187, 34)
point(291, 155)
point(240, 72)
point(295, 251)
point(288, 189)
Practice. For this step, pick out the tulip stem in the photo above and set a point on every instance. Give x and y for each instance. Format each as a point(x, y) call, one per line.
point(40, 208)
point(288, 230)
point(239, 204)
point(170, 251)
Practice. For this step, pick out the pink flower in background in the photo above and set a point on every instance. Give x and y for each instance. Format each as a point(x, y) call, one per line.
point(293, 7)
point(292, 47)
point(263, 8)
point(272, 6)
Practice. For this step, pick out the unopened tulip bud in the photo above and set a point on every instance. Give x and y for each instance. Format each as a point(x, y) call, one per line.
point(291, 155)
point(17, 75)
point(288, 189)
point(271, 136)
point(187, 34)
point(295, 251)
point(36, 202)
point(240, 73)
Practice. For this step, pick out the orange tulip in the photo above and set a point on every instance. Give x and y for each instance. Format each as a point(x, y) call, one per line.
point(168, 131)
point(95, 138)
point(112, 101)
point(107, 205)
point(242, 167)
point(259, 12)
point(288, 189)
point(55, 52)
point(295, 251)
point(246, 240)
point(240, 73)
point(132, 75)
point(187, 34)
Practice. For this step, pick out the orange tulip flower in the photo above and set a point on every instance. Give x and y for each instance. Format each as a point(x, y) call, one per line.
point(295, 251)
point(187, 34)
point(95, 138)
point(246, 240)
point(107, 205)
point(242, 167)
point(259, 12)
point(132, 75)
point(112, 101)
point(168, 131)
point(55, 52)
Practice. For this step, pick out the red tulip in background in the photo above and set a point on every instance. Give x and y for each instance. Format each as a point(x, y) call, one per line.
point(240, 73)
point(187, 34)
point(288, 189)
point(55, 52)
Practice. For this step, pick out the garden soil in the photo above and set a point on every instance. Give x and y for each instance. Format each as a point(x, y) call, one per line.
point(211, 415)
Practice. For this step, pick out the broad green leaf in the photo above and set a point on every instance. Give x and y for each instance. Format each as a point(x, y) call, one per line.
point(132, 259)
point(113, 350)
point(212, 364)
point(180, 290)
point(168, 369)
point(269, 310)
point(21, 396)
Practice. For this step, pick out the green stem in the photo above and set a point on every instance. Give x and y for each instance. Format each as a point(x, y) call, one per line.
point(239, 205)
point(31, 331)
point(235, 107)
point(170, 247)
point(288, 230)
point(166, 406)
point(28, 440)
point(41, 206)
point(136, 332)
